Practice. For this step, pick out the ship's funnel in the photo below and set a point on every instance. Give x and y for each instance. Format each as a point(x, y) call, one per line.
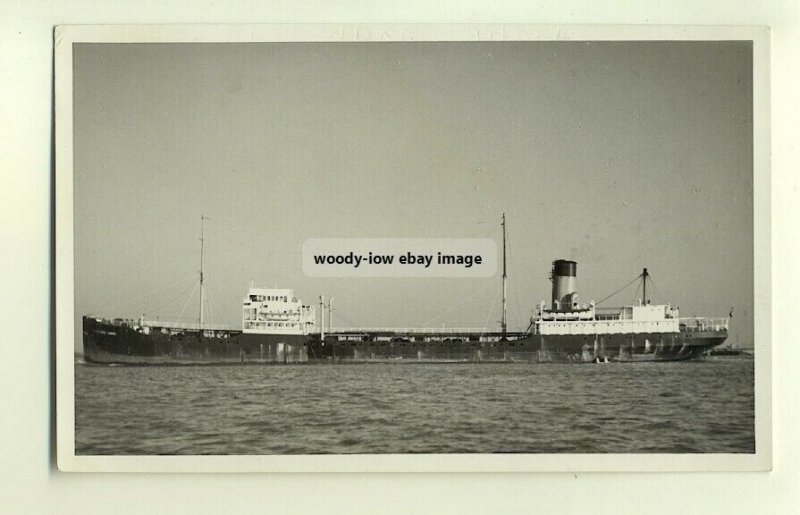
point(565, 284)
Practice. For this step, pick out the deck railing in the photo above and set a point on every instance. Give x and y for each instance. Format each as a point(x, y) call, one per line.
point(190, 326)
point(414, 330)
point(704, 323)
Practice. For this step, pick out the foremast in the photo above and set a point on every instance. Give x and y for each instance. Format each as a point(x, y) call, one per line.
point(503, 323)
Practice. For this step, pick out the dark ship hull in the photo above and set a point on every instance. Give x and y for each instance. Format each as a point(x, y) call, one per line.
point(107, 342)
point(531, 349)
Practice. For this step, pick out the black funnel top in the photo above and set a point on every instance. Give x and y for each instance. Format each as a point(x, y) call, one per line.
point(564, 268)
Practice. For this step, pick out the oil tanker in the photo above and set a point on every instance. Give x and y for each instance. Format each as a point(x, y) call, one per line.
point(279, 328)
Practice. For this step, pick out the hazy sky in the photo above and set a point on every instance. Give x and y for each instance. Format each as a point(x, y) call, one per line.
point(619, 155)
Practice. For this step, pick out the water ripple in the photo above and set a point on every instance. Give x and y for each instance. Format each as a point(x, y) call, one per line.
point(699, 407)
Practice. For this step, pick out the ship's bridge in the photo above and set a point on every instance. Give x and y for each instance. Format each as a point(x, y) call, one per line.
point(275, 311)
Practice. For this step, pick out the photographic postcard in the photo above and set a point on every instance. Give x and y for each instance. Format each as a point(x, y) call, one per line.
point(412, 248)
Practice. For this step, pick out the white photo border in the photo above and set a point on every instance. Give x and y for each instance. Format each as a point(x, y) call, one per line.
point(66, 36)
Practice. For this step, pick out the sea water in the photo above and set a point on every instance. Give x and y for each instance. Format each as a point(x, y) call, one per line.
point(704, 406)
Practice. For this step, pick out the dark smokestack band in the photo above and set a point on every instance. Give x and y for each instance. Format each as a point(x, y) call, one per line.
point(565, 268)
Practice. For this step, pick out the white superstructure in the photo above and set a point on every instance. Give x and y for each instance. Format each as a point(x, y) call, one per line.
point(661, 318)
point(276, 311)
point(565, 316)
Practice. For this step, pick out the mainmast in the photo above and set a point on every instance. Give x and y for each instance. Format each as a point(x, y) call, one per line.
point(505, 277)
point(644, 286)
point(202, 219)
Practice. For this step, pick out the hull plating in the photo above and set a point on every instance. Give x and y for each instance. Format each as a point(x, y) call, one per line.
point(107, 343)
point(534, 348)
